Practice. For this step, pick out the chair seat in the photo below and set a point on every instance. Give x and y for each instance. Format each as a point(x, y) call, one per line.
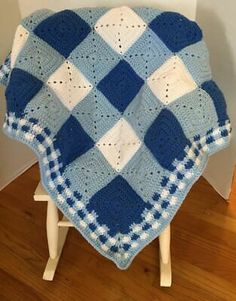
point(40, 194)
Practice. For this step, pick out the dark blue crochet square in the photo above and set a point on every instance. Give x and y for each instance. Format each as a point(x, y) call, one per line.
point(166, 140)
point(121, 85)
point(72, 141)
point(175, 30)
point(117, 206)
point(21, 89)
point(63, 31)
point(218, 99)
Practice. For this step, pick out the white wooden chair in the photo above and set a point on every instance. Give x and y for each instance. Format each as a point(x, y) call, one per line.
point(57, 231)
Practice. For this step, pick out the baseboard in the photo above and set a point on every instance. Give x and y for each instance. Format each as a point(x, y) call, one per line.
point(17, 173)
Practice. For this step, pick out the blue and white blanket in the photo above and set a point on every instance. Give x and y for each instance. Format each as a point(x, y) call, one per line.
point(120, 107)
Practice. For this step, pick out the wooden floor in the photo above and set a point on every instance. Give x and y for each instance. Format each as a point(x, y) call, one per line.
point(203, 254)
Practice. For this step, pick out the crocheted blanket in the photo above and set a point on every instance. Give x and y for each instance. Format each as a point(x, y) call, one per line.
point(120, 107)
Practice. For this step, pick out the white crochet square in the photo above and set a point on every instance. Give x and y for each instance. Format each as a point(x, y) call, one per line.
point(120, 27)
point(20, 39)
point(69, 84)
point(119, 144)
point(171, 81)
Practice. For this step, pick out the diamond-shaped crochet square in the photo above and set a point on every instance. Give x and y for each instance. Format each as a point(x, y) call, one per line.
point(147, 54)
point(96, 114)
point(69, 84)
point(21, 89)
point(142, 111)
point(143, 172)
point(117, 206)
point(94, 57)
point(72, 141)
point(47, 104)
point(63, 31)
point(175, 30)
point(119, 144)
point(201, 112)
point(196, 60)
point(90, 173)
point(166, 140)
point(39, 58)
point(120, 85)
point(120, 28)
point(171, 81)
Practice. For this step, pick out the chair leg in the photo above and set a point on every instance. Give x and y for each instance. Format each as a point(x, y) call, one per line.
point(56, 237)
point(165, 258)
point(52, 229)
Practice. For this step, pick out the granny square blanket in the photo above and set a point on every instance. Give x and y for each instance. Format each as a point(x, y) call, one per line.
point(121, 109)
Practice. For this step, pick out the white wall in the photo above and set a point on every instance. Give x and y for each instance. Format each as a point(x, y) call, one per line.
point(217, 18)
point(14, 156)
point(187, 7)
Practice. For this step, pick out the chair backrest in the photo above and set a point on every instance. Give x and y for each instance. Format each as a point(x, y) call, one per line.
point(186, 7)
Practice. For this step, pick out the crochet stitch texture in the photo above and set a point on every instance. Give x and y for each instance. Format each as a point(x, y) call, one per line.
point(120, 107)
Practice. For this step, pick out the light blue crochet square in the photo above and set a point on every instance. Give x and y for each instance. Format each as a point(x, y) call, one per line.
point(35, 18)
point(147, 13)
point(142, 111)
point(147, 54)
point(144, 173)
point(39, 58)
point(89, 173)
point(45, 105)
point(196, 60)
point(96, 114)
point(195, 111)
point(94, 57)
point(91, 15)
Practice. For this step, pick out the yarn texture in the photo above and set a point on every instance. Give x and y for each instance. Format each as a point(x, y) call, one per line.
point(121, 109)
